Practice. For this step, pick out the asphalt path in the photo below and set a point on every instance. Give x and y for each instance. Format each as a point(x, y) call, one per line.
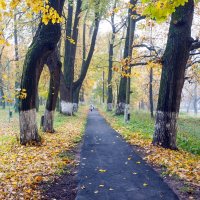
point(111, 170)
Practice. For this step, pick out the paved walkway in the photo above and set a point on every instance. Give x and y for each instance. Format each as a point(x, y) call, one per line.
point(111, 170)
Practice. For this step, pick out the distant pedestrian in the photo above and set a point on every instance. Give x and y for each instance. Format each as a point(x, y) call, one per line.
point(91, 107)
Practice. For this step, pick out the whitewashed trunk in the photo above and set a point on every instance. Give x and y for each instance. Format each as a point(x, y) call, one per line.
point(165, 129)
point(120, 109)
point(28, 127)
point(48, 121)
point(127, 113)
point(109, 106)
point(67, 108)
point(75, 107)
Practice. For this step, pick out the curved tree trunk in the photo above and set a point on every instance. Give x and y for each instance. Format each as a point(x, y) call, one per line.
point(54, 65)
point(172, 80)
point(44, 43)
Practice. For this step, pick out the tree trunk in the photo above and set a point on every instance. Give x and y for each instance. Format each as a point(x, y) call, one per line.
point(17, 82)
point(121, 98)
point(172, 80)
point(44, 43)
point(86, 62)
point(151, 92)
point(110, 66)
point(76, 99)
point(130, 50)
point(54, 65)
point(2, 99)
point(195, 99)
point(69, 66)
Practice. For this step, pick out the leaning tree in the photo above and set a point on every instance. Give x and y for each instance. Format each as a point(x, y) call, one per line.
point(43, 44)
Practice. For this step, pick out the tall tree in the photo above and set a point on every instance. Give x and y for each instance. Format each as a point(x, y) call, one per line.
point(111, 54)
point(132, 22)
point(86, 62)
point(17, 81)
point(122, 94)
point(174, 64)
point(70, 54)
point(43, 44)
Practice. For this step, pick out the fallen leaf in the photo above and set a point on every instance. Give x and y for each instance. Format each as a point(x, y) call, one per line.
point(102, 170)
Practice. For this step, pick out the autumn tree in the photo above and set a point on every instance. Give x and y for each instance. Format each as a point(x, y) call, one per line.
point(43, 44)
point(174, 63)
point(71, 40)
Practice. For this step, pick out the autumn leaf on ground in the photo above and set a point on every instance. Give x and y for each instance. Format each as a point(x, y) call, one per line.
point(102, 170)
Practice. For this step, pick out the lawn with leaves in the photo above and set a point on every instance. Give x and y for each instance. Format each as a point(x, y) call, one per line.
point(22, 168)
point(182, 163)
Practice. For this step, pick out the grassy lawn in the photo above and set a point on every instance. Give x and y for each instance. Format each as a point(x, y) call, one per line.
point(183, 163)
point(188, 129)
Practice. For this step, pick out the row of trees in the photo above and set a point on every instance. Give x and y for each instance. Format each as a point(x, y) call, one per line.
point(52, 38)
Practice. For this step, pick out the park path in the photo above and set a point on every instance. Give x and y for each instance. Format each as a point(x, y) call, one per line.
point(111, 170)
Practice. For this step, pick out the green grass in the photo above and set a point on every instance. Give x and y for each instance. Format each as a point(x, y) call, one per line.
point(9, 131)
point(188, 137)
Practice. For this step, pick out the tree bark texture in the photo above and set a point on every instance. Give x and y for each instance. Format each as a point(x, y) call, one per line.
point(110, 65)
point(54, 66)
point(151, 92)
point(43, 44)
point(17, 81)
point(121, 98)
point(70, 54)
point(86, 62)
point(130, 51)
point(172, 79)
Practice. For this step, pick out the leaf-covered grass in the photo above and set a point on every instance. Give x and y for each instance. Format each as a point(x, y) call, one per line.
point(139, 132)
point(188, 129)
point(22, 168)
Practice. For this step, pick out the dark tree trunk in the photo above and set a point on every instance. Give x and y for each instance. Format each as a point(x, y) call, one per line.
point(110, 66)
point(54, 66)
point(172, 80)
point(86, 62)
point(121, 98)
point(17, 81)
point(58, 105)
point(82, 98)
point(151, 92)
point(2, 99)
point(76, 99)
point(44, 43)
point(130, 50)
point(37, 102)
point(69, 64)
point(195, 99)
point(76, 90)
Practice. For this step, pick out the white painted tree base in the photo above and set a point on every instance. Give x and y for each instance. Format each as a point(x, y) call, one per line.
point(48, 121)
point(165, 129)
point(67, 108)
point(28, 127)
point(127, 113)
